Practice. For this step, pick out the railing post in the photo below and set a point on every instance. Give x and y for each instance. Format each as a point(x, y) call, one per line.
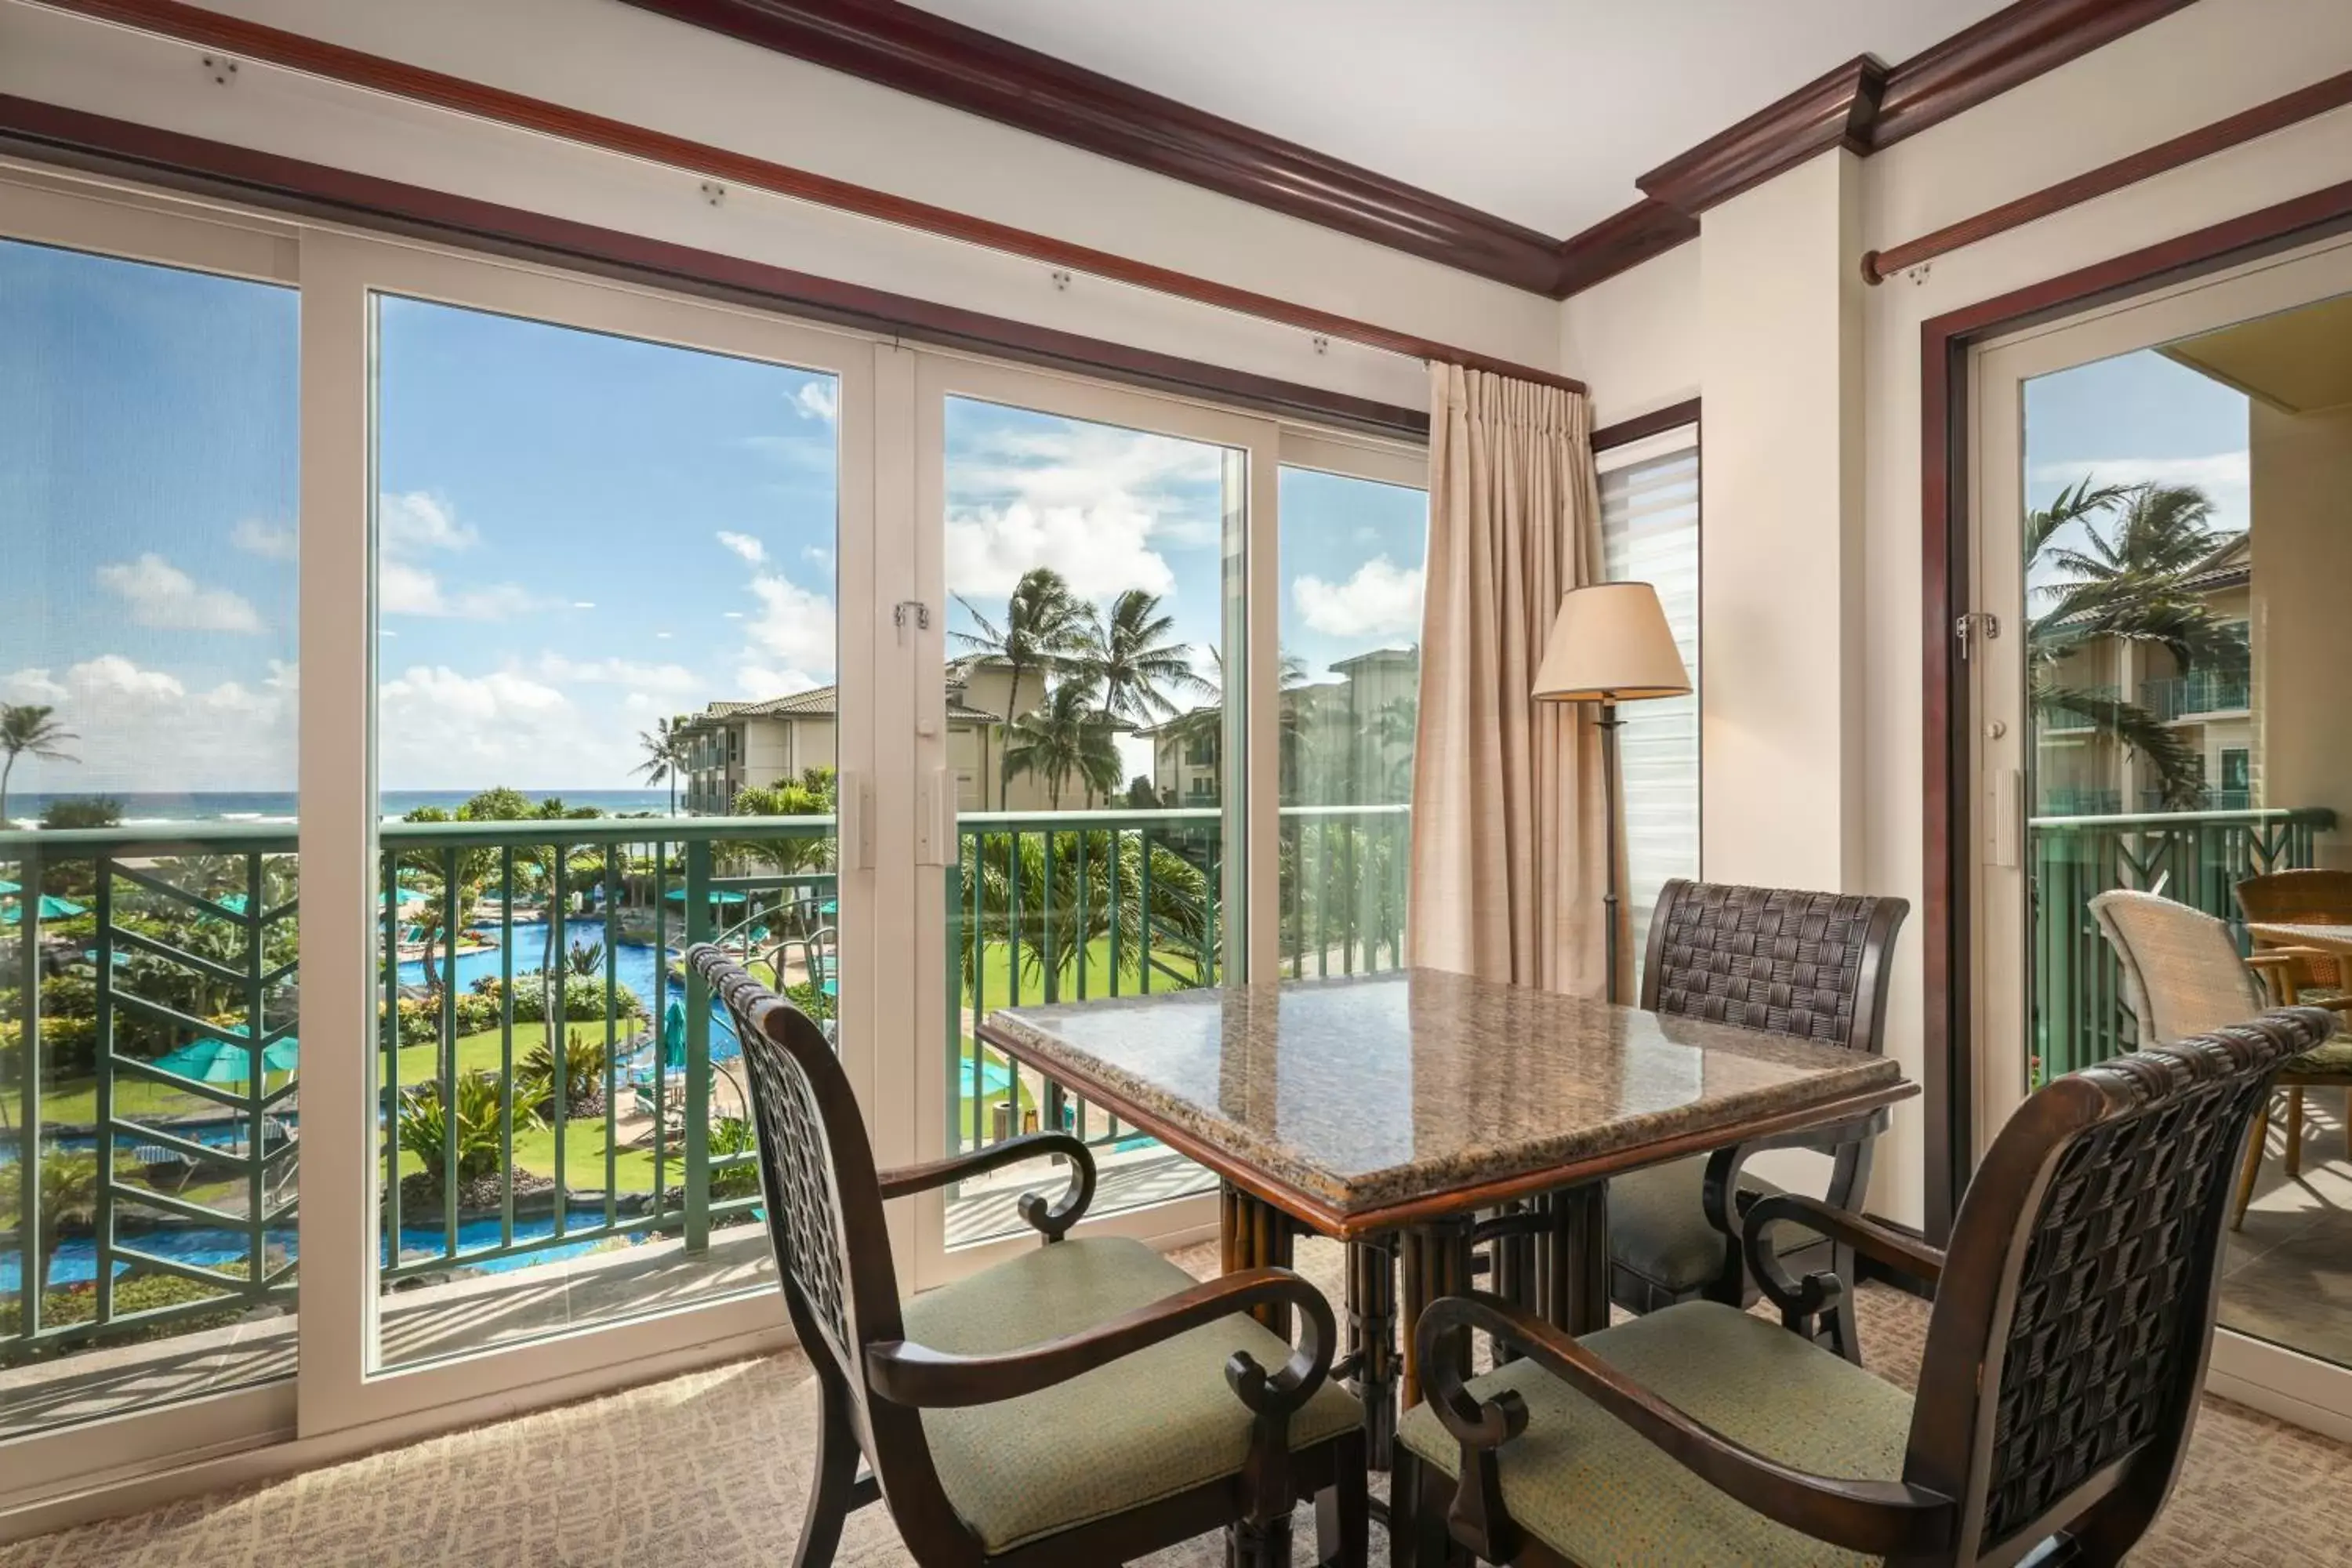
point(102, 1066)
point(697, 1050)
point(28, 1047)
point(256, 965)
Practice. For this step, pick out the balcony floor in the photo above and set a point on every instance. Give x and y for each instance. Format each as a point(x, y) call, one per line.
point(2288, 1273)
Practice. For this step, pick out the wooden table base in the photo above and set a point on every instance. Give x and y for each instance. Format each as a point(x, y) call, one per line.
point(1556, 1263)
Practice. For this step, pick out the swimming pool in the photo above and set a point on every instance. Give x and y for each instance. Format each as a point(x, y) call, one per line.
point(636, 964)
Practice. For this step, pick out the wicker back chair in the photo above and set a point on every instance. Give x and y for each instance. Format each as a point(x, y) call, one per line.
point(1084, 1403)
point(2182, 976)
point(2310, 896)
point(1811, 965)
point(2065, 1354)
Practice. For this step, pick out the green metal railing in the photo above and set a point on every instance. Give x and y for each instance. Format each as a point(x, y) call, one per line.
point(2198, 858)
point(1343, 888)
point(2199, 692)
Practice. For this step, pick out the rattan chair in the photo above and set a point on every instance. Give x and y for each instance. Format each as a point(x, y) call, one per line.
point(1812, 965)
point(2310, 896)
point(1085, 1402)
point(2065, 1354)
point(2182, 976)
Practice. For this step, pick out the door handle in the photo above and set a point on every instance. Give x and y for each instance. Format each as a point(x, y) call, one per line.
point(855, 826)
point(2004, 817)
point(936, 834)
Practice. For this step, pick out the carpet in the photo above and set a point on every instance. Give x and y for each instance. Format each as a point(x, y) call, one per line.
point(708, 1470)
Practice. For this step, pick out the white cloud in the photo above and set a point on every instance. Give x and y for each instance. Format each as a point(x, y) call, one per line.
point(583, 604)
point(743, 544)
point(163, 597)
point(413, 523)
point(819, 400)
point(1382, 598)
point(761, 681)
point(256, 537)
point(817, 555)
point(142, 730)
point(1101, 552)
point(732, 615)
point(438, 729)
point(673, 679)
point(793, 624)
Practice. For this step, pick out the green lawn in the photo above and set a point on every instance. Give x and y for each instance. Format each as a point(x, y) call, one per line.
point(995, 988)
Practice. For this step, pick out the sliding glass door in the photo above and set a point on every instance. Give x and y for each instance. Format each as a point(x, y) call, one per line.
point(407, 655)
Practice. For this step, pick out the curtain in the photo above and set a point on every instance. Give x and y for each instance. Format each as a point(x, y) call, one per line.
point(1509, 839)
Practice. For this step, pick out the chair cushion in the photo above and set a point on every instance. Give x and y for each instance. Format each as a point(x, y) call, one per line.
point(1584, 1484)
point(2334, 1058)
point(1146, 1426)
point(1657, 1225)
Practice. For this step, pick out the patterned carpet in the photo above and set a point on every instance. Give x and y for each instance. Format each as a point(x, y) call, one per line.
point(708, 1470)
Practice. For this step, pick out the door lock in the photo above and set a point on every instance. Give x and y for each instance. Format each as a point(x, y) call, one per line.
point(1975, 623)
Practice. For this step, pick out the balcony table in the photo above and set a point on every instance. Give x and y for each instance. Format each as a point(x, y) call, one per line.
point(1387, 1112)
point(2335, 940)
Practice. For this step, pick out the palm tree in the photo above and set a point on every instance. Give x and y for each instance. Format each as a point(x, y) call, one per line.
point(1068, 736)
point(1132, 664)
point(1045, 627)
point(2128, 582)
point(26, 728)
point(664, 750)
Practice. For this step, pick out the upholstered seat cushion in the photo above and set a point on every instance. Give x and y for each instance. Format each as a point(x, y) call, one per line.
point(2333, 1058)
point(1657, 1225)
point(1146, 1426)
point(1581, 1482)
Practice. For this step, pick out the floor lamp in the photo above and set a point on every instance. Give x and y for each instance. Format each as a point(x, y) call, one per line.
point(1611, 644)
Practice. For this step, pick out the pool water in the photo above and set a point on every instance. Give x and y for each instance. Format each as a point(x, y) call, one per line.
point(75, 1261)
point(636, 964)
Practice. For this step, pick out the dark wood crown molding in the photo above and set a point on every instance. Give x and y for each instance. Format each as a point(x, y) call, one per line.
point(2007, 48)
point(1862, 106)
point(898, 45)
point(1835, 109)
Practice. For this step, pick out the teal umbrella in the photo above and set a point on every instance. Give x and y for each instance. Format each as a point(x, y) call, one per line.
point(228, 1061)
point(674, 1035)
point(8, 887)
point(52, 909)
point(718, 896)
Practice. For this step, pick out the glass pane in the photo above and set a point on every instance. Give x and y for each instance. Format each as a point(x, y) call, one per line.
point(148, 1049)
point(2186, 568)
point(1351, 569)
point(1084, 566)
point(606, 595)
point(1649, 532)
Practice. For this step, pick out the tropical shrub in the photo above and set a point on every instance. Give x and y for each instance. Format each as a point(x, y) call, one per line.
point(810, 1000)
point(732, 1135)
point(584, 1058)
point(424, 1128)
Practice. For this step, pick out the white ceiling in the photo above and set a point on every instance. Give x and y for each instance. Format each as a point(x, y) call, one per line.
point(1539, 110)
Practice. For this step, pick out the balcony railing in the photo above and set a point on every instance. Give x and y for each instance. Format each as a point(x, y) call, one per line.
point(2080, 1015)
point(2200, 692)
point(150, 1050)
point(2062, 720)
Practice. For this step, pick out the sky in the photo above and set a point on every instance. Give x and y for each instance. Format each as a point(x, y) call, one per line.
point(2137, 418)
point(578, 533)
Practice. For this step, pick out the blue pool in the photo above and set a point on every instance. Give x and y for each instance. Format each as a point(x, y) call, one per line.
point(638, 965)
point(76, 1262)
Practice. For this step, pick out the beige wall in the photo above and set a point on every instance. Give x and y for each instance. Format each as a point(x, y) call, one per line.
point(1632, 339)
point(2302, 473)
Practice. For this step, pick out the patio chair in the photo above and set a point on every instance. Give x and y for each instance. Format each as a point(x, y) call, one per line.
point(1811, 965)
point(2066, 1356)
point(2182, 975)
point(1085, 1401)
point(2310, 896)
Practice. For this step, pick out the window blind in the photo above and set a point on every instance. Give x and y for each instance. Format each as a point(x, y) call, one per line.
point(1650, 533)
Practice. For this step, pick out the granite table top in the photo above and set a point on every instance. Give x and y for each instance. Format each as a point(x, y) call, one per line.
point(1341, 1099)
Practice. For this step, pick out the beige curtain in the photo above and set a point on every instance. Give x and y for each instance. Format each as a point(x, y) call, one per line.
point(1507, 831)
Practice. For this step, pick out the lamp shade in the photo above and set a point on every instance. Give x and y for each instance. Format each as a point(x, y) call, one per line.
point(1610, 643)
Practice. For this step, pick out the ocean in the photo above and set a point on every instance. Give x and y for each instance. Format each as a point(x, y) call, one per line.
point(278, 805)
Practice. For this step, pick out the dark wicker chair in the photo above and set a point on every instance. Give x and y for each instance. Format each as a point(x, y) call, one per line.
point(1085, 1403)
point(1813, 965)
point(2065, 1354)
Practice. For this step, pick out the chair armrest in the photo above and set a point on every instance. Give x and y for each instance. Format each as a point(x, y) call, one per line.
point(1872, 1240)
point(1718, 1197)
point(1883, 1517)
point(908, 1373)
point(1052, 1223)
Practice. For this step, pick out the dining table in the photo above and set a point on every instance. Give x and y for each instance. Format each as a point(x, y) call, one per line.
point(1423, 1117)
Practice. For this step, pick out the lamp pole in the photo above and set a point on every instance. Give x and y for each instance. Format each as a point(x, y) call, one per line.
point(1608, 724)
